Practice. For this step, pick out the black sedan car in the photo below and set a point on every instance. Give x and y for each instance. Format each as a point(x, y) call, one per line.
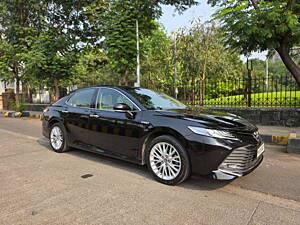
point(147, 127)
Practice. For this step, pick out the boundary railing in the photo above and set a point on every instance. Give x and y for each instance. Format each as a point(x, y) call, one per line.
point(243, 92)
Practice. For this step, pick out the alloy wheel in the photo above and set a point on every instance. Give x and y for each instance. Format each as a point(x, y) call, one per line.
point(165, 161)
point(56, 138)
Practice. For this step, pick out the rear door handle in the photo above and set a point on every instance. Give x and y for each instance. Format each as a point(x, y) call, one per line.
point(94, 116)
point(65, 111)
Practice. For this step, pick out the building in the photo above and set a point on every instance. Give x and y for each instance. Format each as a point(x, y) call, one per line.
point(3, 89)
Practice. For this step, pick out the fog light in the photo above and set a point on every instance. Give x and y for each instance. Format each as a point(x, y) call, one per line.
point(226, 166)
point(233, 166)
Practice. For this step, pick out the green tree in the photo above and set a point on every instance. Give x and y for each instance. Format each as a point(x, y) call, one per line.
point(262, 25)
point(120, 30)
point(17, 30)
point(51, 60)
point(92, 68)
point(157, 60)
point(44, 39)
point(66, 27)
point(120, 37)
point(202, 56)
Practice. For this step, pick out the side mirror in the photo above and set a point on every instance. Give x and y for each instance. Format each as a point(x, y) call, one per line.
point(122, 107)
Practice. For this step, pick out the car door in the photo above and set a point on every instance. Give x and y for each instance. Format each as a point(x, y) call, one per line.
point(76, 115)
point(115, 132)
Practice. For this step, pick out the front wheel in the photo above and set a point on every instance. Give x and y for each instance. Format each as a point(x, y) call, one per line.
point(167, 160)
point(58, 138)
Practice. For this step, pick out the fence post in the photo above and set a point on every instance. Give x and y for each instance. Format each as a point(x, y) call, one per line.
point(175, 90)
point(249, 84)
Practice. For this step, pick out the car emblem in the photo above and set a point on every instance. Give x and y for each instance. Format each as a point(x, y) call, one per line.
point(256, 135)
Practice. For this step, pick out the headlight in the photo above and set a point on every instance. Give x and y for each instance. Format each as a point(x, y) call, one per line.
point(45, 110)
point(212, 133)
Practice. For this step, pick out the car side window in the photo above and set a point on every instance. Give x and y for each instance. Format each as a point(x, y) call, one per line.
point(107, 98)
point(82, 98)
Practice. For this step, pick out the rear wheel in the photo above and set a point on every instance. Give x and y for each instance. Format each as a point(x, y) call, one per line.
point(58, 138)
point(167, 160)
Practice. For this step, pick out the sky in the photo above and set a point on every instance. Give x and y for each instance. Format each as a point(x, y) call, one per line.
point(172, 20)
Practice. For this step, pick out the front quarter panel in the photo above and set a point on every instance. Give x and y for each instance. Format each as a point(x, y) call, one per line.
point(206, 153)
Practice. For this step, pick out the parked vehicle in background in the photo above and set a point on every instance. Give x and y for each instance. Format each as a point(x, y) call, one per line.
point(147, 127)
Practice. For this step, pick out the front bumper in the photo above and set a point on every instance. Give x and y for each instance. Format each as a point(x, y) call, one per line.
point(222, 174)
point(207, 155)
point(45, 128)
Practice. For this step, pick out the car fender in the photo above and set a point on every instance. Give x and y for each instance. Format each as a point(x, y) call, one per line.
point(158, 131)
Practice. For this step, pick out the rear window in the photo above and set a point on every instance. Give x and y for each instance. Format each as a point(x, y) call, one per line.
point(82, 98)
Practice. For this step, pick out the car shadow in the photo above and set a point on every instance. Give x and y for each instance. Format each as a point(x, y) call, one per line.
point(195, 182)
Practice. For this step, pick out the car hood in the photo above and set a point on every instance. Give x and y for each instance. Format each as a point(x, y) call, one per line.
point(211, 119)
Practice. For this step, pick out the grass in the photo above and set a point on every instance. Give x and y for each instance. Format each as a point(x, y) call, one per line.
point(267, 99)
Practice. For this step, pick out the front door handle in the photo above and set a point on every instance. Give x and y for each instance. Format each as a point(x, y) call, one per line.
point(94, 116)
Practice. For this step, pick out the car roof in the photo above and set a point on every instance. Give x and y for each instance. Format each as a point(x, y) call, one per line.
point(125, 88)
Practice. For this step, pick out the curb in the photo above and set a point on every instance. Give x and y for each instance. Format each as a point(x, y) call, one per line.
point(278, 139)
point(293, 145)
point(35, 116)
point(14, 114)
point(275, 139)
point(291, 141)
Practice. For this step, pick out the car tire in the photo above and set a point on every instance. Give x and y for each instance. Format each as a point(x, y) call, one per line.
point(167, 160)
point(58, 138)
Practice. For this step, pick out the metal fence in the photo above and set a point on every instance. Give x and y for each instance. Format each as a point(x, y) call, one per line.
point(280, 91)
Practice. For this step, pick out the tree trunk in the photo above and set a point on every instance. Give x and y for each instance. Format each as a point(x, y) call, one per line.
point(17, 97)
point(288, 62)
point(30, 95)
point(56, 90)
point(202, 91)
point(123, 80)
point(51, 96)
point(193, 93)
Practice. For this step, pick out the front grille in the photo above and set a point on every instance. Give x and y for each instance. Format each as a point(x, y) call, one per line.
point(240, 159)
point(252, 138)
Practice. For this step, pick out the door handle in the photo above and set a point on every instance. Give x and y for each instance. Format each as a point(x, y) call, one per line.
point(65, 111)
point(94, 116)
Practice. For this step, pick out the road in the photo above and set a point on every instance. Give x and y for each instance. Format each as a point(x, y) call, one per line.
point(38, 186)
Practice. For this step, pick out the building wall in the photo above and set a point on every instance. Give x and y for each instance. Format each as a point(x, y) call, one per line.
point(2, 87)
point(266, 116)
point(43, 97)
point(1, 102)
point(8, 86)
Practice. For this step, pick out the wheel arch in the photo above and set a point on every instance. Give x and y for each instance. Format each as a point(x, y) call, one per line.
point(159, 131)
point(54, 120)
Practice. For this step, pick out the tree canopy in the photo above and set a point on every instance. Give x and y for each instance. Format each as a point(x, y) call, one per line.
point(256, 25)
point(45, 39)
point(55, 44)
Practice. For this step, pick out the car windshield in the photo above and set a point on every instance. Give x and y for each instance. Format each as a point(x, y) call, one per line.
point(155, 100)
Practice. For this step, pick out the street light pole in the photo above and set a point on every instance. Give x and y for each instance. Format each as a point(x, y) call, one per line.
point(267, 72)
point(175, 69)
point(138, 68)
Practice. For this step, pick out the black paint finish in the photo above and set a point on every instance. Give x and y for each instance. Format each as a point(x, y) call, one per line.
point(125, 134)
